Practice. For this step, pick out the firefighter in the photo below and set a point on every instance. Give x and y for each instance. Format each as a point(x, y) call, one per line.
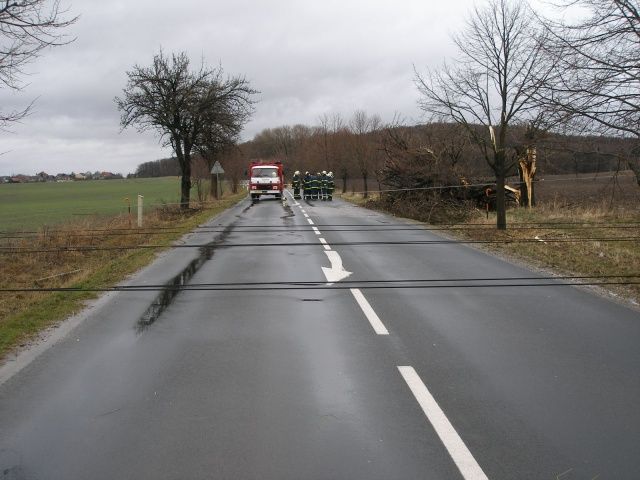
point(306, 183)
point(295, 183)
point(331, 185)
point(315, 186)
point(323, 185)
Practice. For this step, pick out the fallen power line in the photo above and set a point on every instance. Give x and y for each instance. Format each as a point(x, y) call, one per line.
point(326, 227)
point(303, 228)
point(502, 282)
point(89, 248)
point(483, 184)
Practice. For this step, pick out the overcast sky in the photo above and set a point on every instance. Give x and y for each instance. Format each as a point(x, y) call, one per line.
point(307, 58)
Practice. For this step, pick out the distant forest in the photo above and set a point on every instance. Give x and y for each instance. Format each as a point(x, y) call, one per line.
point(363, 152)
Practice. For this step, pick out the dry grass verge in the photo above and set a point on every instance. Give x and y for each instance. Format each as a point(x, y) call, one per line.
point(591, 239)
point(601, 241)
point(23, 315)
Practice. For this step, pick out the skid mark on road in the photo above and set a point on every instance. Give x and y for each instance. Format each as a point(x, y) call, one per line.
point(168, 294)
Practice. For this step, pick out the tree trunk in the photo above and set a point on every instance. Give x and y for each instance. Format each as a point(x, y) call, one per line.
point(501, 208)
point(499, 168)
point(344, 182)
point(183, 153)
point(527, 171)
point(634, 165)
point(185, 189)
point(185, 186)
point(366, 189)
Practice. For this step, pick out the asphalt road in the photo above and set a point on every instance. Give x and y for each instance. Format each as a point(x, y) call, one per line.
point(461, 382)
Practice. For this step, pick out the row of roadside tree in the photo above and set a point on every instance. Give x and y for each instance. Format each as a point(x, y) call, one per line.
point(520, 81)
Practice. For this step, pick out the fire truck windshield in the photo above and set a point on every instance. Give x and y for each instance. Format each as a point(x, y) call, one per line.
point(264, 172)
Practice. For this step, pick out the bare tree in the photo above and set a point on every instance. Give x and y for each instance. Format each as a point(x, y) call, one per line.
point(27, 27)
point(495, 82)
point(362, 126)
point(189, 109)
point(598, 75)
point(330, 125)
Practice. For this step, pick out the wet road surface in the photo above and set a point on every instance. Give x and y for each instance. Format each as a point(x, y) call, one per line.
point(330, 383)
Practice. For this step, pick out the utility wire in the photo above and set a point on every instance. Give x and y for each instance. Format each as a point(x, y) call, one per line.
point(419, 226)
point(303, 228)
point(123, 208)
point(374, 282)
point(319, 286)
point(88, 248)
point(488, 183)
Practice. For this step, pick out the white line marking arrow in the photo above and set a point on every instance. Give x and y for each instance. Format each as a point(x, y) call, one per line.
point(337, 271)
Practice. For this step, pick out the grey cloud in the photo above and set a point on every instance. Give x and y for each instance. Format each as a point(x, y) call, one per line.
point(306, 58)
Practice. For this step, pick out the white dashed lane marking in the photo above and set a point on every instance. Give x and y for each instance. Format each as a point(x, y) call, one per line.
point(457, 449)
point(371, 315)
point(460, 454)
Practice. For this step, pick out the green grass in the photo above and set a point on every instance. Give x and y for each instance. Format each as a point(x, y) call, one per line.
point(32, 205)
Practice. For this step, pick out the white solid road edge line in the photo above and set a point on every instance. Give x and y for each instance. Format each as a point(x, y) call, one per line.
point(373, 318)
point(459, 452)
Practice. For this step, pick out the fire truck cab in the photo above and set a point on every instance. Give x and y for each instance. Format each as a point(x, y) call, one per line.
point(266, 178)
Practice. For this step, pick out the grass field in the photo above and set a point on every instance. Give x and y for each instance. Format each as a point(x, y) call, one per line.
point(32, 205)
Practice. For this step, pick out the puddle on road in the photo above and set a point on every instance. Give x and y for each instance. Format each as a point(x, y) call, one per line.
point(172, 288)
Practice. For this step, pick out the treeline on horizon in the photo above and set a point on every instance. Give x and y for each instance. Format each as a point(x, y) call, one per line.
point(361, 149)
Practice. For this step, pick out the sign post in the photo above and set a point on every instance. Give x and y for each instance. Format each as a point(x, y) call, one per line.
point(140, 200)
point(216, 188)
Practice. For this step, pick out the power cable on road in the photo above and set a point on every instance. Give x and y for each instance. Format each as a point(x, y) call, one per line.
point(429, 283)
point(382, 227)
point(303, 228)
point(89, 248)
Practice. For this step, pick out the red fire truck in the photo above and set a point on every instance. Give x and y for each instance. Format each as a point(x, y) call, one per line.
point(266, 178)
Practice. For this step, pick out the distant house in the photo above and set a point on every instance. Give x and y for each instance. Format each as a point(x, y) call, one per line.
point(45, 177)
point(21, 179)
